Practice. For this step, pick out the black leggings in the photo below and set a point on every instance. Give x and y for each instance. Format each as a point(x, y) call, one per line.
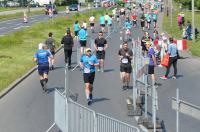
point(172, 60)
point(68, 54)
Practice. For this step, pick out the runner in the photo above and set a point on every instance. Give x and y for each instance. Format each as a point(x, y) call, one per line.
point(68, 43)
point(100, 45)
point(41, 57)
point(82, 39)
point(25, 18)
point(50, 13)
point(142, 20)
point(127, 26)
point(50, 43)
point(92, 20)
point(125, 56)
point(88, 62)
point(109, 26)
point(173, 52)
point(145, 38)
point(155, 18)
point(102, 23)
point(148, 19)
point(152, 62)
point(76, 29)
point(134, 20)
point(85, 25)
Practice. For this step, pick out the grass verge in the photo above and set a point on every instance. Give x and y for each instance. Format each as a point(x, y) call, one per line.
point(17, 49)
point(194, 47)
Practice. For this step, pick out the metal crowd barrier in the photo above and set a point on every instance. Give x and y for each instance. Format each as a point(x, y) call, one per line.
point(69, 116)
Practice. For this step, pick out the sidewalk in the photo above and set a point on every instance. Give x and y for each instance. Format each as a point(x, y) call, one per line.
point(20, 10)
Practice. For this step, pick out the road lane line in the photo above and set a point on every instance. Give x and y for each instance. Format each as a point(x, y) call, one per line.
point(19, 24)
point(21, 27)
point(3, 27)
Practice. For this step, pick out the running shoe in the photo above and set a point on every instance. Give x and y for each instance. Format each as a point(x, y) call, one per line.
point(98, 70)
point(163, 77)
point(52, 67)
point(174, 77)
point(124, 87)
point(89, 102)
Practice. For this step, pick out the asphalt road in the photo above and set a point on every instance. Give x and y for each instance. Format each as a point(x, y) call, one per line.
point(18, 24)
point(27, 109)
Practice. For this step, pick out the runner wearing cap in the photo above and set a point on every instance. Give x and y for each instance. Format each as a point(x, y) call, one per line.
point(125, 56)
point(100, 45)
point(41, 57)
point(88, 62)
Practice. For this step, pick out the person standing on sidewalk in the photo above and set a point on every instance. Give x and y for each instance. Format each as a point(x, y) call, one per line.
point(125, 57)
point(152, 62)
point(42, 58)
point(50, 43)
point(88, 62)
point(68, 43)
point(100, 45)
point(173, 57)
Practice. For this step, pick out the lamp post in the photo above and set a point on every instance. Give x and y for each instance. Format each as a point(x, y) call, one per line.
point(193, 26)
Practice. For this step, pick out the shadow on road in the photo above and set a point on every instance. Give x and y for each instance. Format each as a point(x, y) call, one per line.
point(108, 70)
point(99, 99)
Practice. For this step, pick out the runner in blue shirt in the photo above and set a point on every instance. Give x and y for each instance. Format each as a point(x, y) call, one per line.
point(76, 29)
point(41, 57)
point(102, 23)
point(82, 38)
point(155, 17)
point(88, 62)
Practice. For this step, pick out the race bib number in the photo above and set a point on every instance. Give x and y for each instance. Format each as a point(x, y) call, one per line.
point(86, 70)
point(100, 48)
point(125, 61)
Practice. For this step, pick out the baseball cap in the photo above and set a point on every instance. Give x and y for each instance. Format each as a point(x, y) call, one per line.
point(88, 49)
point(148, 42)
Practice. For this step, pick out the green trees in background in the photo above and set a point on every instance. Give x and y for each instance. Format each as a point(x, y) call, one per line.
point(187, 3)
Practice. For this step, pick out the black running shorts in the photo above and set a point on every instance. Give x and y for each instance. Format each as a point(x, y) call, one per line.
point(43, 69)
point(151, 69)
point(89, 77)
point(126, 69)
point(83, 43)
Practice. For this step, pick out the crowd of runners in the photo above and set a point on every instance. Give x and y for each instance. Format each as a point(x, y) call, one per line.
point(128, 20)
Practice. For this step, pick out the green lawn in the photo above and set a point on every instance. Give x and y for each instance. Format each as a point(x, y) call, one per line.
point(17, 49)
point(175, 32)
point(10, 8)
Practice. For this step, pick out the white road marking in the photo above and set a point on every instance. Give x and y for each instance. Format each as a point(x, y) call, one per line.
point(19, 24)
point(2, 27)
point(21, 27)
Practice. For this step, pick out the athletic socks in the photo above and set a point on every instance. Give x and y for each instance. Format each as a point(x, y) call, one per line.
point(41, 82)
point(90, 96)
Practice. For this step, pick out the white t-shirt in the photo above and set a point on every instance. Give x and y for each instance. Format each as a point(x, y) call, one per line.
point(91, 19)
point(85, 25)
point(106, 17)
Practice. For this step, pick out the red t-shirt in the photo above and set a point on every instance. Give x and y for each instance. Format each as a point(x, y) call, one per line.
point(134, 17)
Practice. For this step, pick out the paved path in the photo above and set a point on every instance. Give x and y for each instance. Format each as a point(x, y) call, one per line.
point(27, 109)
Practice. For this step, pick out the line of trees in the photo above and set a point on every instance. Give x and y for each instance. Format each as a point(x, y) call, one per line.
point(187, 3)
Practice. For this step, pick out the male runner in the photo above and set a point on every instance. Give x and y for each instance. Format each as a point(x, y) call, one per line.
point(41, 57)
point(88, 62)
point(51, 47)
point(100, 45)
point(125, 56)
